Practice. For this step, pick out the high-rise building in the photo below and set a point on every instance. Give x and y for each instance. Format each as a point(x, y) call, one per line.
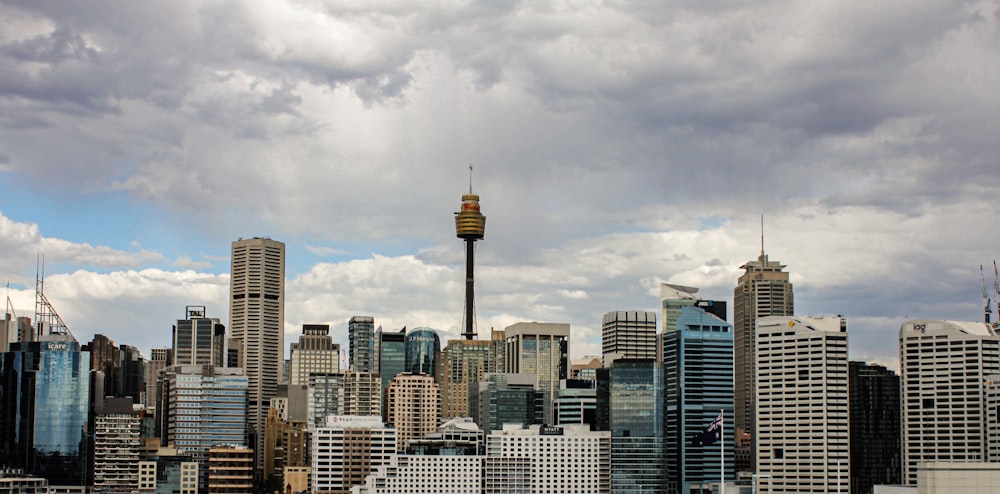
point(470, 225)
point(943, 366)
point(133, 374)
point(347, 449)
point(629, 334)
point(577, 402)
point(106, 358)
point(230, 470)
point(158, 360)
point(698, 369)
point(630, 396)
point(541, 349)
point(876, 458)
point(673, 298)
point(198, 339)
point(413, 402)
point(201, 407)
point(361, 344)
point(762, 290)
point(284, 446)
point(802, 431)
point(392, 355)
point(462, 364)
point(116, 447)
point(315, 352)
point(257, 315)
point(568, 459)
point(45, 392)
point(343, 393)
point(422, 348)
point(503, 398)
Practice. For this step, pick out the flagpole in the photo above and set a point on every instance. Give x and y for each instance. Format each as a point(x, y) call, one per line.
point(722, 452)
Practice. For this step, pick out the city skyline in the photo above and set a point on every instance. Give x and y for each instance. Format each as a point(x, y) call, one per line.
point(615, 148)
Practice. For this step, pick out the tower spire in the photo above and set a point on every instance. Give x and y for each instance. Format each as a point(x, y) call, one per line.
point(470, 179)
point(762, 235)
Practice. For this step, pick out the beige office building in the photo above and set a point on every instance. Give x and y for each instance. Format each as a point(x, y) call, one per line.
point(347, 449)
point(541, 349)
point(413, 402)
point(944, 366)
point(462, 364)
point(762, 290)
point(256, 318)
point(802, 430)
point(315, 352)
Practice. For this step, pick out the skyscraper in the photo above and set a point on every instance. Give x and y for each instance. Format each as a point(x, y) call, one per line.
point(315, 352)
point(944, 365)
point(630, 395)
point(802, 426)
point(763, 290)
point(875, 427)
point(698, 369)
point(541, 349)
point(392, 355)
point(45, 392)
point(503, 398)
point(629, 334)
point(413, 402)
point(257, 314)
point(422, 348)
point(462, 364)
point(361, 342)
point(198, 339)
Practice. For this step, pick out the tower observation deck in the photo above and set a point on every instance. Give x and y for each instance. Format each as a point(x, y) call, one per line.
point(470, 225)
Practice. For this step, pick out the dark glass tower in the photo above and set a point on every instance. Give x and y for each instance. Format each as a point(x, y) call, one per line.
point(392, 355)
point(45, 394)
point(630, 405)
point(875, 427)
point(698, 365)
point(422, 348)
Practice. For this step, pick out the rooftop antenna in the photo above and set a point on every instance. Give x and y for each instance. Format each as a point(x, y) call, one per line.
point(986, 297)
point(761, 234)
point(45, 314)
point(470, 178)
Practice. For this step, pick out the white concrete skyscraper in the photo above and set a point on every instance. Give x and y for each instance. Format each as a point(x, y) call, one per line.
point(256, 318)
point(944, 367)
point(802, 428)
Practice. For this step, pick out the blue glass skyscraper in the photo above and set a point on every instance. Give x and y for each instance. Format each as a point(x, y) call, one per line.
point(630, 405)
point(422, 349)
point(44, 402)
point(391, 355)
point(698, 367)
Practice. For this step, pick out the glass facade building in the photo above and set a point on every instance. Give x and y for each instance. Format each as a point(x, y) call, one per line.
point(45, 395)
point(392, 355)
point(422, 348)
point(630, 405)
point(875, 427)
point(507, 399)
point(698, 370)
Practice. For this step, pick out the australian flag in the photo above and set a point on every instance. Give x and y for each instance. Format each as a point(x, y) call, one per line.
point(710, 435)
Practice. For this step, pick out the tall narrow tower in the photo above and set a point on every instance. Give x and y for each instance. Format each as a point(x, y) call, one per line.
point(257, 317)
point(470, 224)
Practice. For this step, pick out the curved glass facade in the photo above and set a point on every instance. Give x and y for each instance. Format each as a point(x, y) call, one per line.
point(422, 348)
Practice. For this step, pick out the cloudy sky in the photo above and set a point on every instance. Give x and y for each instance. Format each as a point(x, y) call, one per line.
point(616, 146)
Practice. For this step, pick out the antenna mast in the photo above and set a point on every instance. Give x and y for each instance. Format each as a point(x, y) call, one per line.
point(47, 320)
point(986, 297)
